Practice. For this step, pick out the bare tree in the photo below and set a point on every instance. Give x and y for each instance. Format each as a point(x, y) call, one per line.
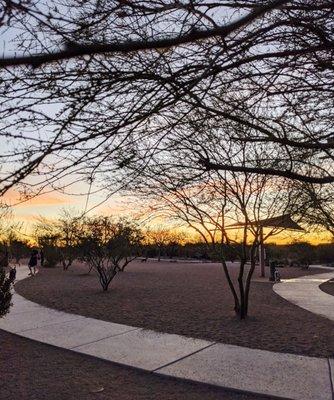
point(18, 247)
point(214, 205)
point(59, 237)
point(47, 239)
point(9, 228)
point(317, 206)
point(69, 227)
point(160, 237)
point(109, 246)
point(120, 10)
point(97, 86)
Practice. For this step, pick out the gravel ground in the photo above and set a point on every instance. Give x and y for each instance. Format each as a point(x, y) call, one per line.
point(328, 287)
point(187, 299)
point(34, 371)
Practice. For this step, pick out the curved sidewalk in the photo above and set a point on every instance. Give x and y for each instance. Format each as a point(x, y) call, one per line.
point(281, 375)
point(304, 292)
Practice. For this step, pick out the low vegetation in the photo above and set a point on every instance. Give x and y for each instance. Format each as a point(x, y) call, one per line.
point(5, 292)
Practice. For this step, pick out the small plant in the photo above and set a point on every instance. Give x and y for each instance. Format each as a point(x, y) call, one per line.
point(5, 293)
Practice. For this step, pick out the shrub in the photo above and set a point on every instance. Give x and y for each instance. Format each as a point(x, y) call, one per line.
point(5, 293)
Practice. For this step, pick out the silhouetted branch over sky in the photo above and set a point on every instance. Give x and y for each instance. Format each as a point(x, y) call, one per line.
point(73, 49)
point(99, 92)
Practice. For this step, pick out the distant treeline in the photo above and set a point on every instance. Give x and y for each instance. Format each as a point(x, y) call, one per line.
point(299, 252)
point(287, 254)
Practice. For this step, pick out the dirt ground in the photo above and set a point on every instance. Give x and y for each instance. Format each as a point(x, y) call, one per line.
point(34, 371)
point(328, 287)
point(187, 299)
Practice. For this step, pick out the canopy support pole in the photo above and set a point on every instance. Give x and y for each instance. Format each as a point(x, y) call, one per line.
point(261, 254)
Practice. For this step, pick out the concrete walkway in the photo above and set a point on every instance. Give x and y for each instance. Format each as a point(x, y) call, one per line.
point(305, 293)
point(285, 376)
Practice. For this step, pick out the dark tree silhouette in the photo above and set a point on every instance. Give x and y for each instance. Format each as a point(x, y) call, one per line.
point(95, 86)
point(108, 246)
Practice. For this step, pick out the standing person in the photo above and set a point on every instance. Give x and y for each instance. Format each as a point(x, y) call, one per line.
point(33, 262)
point(41, 254)
point(12, 274)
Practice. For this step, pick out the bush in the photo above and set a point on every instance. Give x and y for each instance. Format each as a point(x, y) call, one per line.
point(108, 246)
point(48, 244)
point(52, 257)
point(5, 293)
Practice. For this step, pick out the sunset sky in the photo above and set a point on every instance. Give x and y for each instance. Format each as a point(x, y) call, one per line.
point(50, 205)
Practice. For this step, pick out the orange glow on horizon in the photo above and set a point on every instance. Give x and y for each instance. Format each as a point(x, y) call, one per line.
point(49, 206)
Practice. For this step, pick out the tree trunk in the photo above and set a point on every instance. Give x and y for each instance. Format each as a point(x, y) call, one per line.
point(231, 286)
point(122, 268)
point(249, 276)
point(242, 312)
point(243, 309)
point(104, 282)
point(106, 277)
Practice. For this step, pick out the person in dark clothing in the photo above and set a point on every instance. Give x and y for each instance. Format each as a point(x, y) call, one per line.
point(12, 274)
point(33, 262)
point(41, 254)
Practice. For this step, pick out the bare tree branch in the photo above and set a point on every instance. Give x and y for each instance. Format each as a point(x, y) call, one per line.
point(266, 171)
point(75, 50)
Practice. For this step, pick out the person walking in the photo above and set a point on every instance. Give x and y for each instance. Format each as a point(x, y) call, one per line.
point(33, 263)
